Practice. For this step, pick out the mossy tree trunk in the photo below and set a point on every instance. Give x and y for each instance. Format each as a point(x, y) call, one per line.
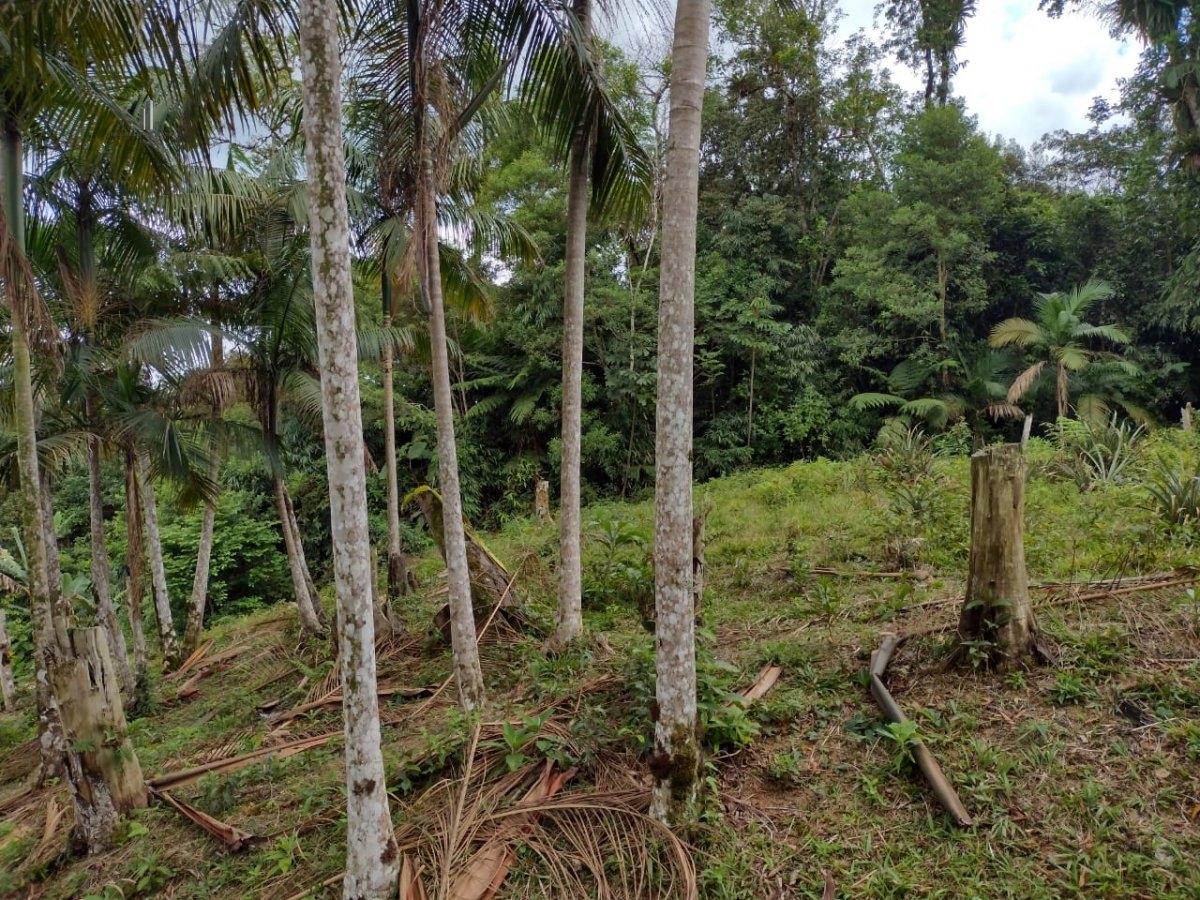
point(397, 565)
point(102, 768)
point(676, 746)
point(372, 857)
point(195, 620)
point(306, 599)
point(49, 635)
point(996, 623)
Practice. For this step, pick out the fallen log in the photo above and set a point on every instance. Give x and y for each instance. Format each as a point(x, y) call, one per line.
point(942, 789)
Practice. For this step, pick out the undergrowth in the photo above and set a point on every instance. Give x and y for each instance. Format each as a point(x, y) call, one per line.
point(1079, 776)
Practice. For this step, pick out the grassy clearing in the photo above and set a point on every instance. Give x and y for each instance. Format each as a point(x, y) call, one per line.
point(1080, 776)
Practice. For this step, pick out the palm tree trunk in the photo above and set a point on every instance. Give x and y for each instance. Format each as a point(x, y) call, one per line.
point(306, 599)
point(372, 857)
point(158, 574)
point(8, 689)
point(73, 715)
point(136, 584)
point(569, 619)
point(1062, 391)
point(195, 622)
point(397, 567)
point(462, 618)
point(53, 561)
point(49, 635)
point(675, 763)
point(101, 583)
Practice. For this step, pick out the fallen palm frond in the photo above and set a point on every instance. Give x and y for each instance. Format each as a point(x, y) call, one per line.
point(942, 789)
point(1117, 588)
point(231, 836)
point(188, 664)
point(334, 697)
point(233, 763)
point(20, 760)
point(462, 839)
point(206, 666)
point(766, 679)
point(1091, 590)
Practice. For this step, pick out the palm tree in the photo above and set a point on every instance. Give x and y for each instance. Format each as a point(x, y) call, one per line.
point(969, 386)
point(435, 74)
point(372, 858)
point(676, 744)
point(1059, 334)
point(588, 159)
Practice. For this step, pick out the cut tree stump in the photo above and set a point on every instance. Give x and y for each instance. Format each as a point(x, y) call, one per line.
point(102, 767)
point(996, 625)
point(541, 503)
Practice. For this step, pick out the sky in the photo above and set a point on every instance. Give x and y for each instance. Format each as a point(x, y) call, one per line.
point(1025, 74)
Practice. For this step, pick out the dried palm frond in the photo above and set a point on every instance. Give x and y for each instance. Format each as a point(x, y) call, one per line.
point(462, 838)
point(21, 294)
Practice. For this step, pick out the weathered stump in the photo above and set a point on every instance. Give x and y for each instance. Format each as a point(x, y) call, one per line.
point(102, 767)
point(8, 690)
point(996, 624)
point(541, 503)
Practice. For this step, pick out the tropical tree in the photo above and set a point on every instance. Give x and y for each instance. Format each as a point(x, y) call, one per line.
point(438, 71)
point(1059, 334)
point(676, 745)
point(968, 386)
point(568, 622)
point(372, 857)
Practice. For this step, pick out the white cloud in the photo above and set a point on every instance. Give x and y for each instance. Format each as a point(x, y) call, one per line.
point(1025, 73)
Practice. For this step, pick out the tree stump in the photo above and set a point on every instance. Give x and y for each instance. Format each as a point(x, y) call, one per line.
point(8, 690)
point(541, 503)
point(996, 625)
point(102, 767)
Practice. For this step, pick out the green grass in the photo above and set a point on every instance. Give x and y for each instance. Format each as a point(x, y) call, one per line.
point(1070, 796)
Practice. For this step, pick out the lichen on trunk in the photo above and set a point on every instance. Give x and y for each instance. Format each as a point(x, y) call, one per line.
point(676, 751)
point(372, 857)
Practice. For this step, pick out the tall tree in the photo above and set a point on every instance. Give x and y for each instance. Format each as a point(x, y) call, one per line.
point(568, 623)
point(372, 858)
point(676, 744)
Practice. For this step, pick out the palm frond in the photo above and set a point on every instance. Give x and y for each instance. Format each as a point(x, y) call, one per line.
point(1024, 381)
point(1016, 333)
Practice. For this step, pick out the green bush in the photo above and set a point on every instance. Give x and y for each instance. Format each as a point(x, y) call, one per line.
point(249, 563)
